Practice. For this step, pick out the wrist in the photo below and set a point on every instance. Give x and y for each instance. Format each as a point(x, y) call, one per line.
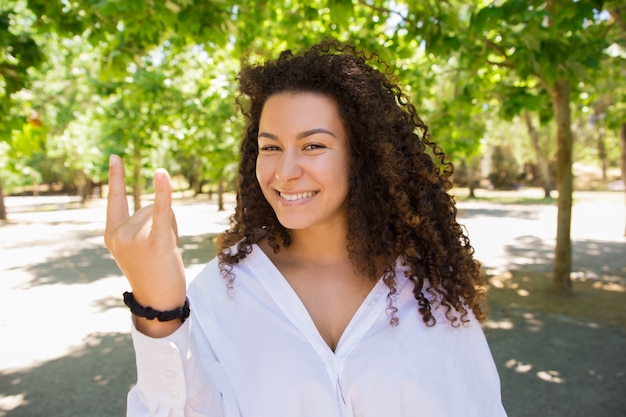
point(179, 313)
point(154, 328)
point(156, 323)
point(159, 298)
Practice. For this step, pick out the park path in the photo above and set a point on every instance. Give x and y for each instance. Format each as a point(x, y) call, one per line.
point(65, 348)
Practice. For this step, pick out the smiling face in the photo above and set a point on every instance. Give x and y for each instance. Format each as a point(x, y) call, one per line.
point(303, 165)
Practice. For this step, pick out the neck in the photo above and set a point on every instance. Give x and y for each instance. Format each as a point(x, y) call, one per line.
point(319, 246)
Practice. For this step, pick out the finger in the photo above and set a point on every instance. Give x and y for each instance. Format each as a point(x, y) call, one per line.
point(162, 211)
point(175, 227)
point(117, 202)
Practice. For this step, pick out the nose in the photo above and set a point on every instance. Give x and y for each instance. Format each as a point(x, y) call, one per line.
point(289, 166)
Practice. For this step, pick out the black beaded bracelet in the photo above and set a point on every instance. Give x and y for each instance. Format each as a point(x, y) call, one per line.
point(148, 312)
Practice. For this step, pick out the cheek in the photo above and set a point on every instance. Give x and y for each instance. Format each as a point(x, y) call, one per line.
point(260, 171)
point(342, 170)
point(263, 175)
point(335, 176)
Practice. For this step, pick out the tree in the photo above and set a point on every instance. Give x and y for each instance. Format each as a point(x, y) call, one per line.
point(504, 169)
point(205, 144)
point(64, 92)
point(139, 113)
point(472, 52)
point(623, 157)
point(618, 14)
point(549, 46)
point(544, 170)
point(18, 53)
point(542, 45)
point(126, 33)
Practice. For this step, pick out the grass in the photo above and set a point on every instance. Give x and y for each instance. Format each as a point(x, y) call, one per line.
point(521, 196)
point(590, 300)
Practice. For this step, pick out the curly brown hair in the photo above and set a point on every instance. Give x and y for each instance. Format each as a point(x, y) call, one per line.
point(398, 202)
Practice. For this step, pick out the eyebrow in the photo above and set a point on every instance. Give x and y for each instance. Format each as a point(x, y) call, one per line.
point(300, 135)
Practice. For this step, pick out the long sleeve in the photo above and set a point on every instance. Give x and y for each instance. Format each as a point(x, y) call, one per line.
point(171, 380)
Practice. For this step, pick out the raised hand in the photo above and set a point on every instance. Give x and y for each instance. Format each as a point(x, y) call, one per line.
point(145, 247)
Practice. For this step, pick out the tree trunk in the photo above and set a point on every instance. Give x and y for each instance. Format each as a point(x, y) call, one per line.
point(220, 194)
point(472, 190)
point(195, 181)
point(3, 210)
point(137, 180)
point(471, 178)
point(599, 108)
point(560, 93)
point(602, 154)
point(541, 161)
point(623, 161)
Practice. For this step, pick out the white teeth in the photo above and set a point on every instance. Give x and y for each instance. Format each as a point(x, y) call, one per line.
point(295, 197)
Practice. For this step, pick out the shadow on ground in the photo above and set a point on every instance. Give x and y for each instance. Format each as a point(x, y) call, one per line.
point(86, 264)
point(554, 366)
point(594, 259)
point(509, 212)
point(91, 380)
point(550, 365)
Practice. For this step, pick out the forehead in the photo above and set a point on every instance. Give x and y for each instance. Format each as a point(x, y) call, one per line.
point(300, 110)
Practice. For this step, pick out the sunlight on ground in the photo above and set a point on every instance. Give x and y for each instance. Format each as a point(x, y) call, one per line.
point(56, 320)
point(609, 286)
point(551, 376)
point(533, 324)
point(524, 368)
point(518, 366)
point(501, 325)
point(503, 280)
point(11, 402)
point(594, 301)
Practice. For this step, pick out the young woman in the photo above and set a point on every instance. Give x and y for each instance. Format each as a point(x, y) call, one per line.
point(344, 286)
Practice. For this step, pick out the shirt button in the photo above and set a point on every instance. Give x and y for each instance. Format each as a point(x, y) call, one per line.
point(174, 395)
point(169, 374)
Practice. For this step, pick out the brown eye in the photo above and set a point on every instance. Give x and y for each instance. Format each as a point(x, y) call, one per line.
point(314, 146)
point(269, 148)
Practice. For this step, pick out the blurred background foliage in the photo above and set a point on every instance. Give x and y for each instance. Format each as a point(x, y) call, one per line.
point(517, 92)
point(155, 81)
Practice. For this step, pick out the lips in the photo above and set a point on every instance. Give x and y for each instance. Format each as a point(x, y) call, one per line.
point(297, 196)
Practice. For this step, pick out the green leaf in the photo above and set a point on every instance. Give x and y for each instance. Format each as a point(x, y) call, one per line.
point(340, 12)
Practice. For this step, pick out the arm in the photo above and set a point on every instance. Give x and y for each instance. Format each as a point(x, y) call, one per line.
point(172, 379)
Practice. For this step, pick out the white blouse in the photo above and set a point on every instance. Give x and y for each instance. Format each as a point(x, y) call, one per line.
point(254, 351)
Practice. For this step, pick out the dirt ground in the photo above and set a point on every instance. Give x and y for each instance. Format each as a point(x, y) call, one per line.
point(65, 348)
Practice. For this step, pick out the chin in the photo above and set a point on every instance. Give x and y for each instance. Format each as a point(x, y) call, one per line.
point(294, 224)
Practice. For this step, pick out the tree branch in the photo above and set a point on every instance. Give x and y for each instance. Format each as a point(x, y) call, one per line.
point(501, 64)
